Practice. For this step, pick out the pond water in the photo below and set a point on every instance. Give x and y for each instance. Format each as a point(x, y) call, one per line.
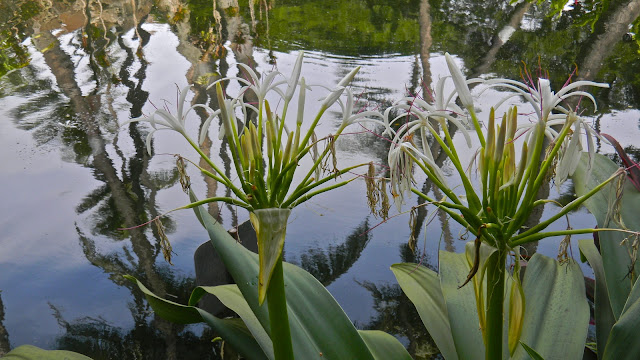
point(72, 71)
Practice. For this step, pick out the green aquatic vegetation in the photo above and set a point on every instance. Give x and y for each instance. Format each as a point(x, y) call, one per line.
point(266, 155)
point(474, 305)
point(494, 214)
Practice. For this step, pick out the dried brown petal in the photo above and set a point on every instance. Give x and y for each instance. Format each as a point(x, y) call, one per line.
point(165, 245)
point(185, 181)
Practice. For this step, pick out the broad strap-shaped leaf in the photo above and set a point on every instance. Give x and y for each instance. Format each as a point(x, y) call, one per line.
point(461, 305)
point(29, 352)
point(557, 313)
point(384, 346)
point(422, 287)
point(603, 313)
point(623, 339)
point(230, 330)
point(231, 297)
point(318, 324)
point(534, 355)
point(615, 254)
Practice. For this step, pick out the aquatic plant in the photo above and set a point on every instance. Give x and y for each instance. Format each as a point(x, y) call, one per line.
point(494, 214)
point(496, 314)
point(266, 155)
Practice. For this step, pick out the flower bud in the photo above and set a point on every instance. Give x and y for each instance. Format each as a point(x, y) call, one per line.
point(301, 100)
point(460, 82)
point(293, 80)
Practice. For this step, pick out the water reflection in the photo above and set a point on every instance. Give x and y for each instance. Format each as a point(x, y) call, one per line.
point(328, 265)
point(92, 67)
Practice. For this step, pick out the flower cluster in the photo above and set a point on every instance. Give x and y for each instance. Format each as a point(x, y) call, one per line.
point(509, 182)
point(265, 151)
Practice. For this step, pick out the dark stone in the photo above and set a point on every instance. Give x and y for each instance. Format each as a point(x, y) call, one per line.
point(210, 270)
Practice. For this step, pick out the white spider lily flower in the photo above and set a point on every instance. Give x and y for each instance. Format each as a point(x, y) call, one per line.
point(460, 83)
point(348, 117)
point(543, 100)
point(254, 83)
point(333, 96)
point(339, 89)
point(442, 103)
point(230, 105)
point(166, 119)
point(387, 123)
point(424, 110)
point(293, 79)
point(347, 79)
point(205, 126)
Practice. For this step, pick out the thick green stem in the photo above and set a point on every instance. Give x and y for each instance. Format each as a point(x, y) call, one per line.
point(278, 317)
point(496, 271)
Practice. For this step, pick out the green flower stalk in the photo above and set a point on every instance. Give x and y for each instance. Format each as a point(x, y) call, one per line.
point(510, 177)
point(266, 155)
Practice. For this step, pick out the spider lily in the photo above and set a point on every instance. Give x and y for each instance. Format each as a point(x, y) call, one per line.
point(495, 213)
point(349, 118)
point(547, 106)
point(266, 157)
point(544, 100)
point(402, 157)
point(260, 87)
point(166, 119)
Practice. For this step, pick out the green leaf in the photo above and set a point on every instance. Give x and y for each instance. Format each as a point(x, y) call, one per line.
point(384, 346)
point(534, 355)
point(230, 330)
point(615, 257)
point(231, 297)
point(29, 352)
point(318, 324)
point(556, 316)
point(633, 297)
point(622, 342)
point(603, 313)
point(461, 305)
point(422, 287)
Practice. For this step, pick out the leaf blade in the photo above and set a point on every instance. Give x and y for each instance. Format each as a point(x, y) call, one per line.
point(30, 352)
point(556, 310)
point(384, 346)
point(422, 287)
point(603, 313)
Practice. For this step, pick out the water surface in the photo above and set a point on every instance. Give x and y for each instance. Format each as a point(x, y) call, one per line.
point(72, 72)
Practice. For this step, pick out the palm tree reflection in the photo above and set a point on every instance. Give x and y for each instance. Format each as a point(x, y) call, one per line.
point(328, 265)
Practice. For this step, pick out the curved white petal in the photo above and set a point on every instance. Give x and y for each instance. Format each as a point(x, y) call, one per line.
point(205, 127)
point(295, 76)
